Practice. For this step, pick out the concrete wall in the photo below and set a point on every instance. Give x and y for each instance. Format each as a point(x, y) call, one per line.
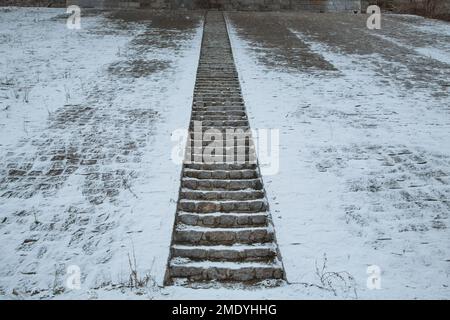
point(106, 3)
point(258, 5)
point(34, 3)
point(442, 6)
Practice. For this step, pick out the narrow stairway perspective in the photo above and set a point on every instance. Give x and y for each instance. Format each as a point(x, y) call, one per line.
point(223, 232)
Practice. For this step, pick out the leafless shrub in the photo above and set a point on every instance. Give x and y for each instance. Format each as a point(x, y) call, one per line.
point(58, 286)
point(36, 220)
point(67, 91)
point(50, 113)
point(6, 81)
point(126, 183)
point(26, 94)
point(25, 127)
point(136, 281)
point(16, 93)
point(335, 281)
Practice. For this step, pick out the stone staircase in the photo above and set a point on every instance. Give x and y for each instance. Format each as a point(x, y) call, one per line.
point(223, 230)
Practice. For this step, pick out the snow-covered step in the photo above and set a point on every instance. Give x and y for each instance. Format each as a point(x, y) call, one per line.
point(218, 87)
point(223, 220)
point(217, 77)
point(204, 158)
point(232, 184)
point(219, 95)
point(196, 235)
point(210, 85)
point(231, 111)
point(235, 98)
point(220, 166)
point(227, 141)
point(215, 107)
point(205, 119)
point(256, 252)
point(218, 115)
point(211, 155)
point(209, 146)
point(222, 129)
point(205, 206)
point(221, 174)
point(225, 271)
point(246, 194)
point(205, 90)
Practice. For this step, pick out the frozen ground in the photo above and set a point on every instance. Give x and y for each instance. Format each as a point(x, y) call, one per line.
point(85, 144)
point(364, 120)
point(89, 181)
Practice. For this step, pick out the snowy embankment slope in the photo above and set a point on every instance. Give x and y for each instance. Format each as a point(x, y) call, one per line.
point(45, 65)
point(364, 169)
point(99, 187)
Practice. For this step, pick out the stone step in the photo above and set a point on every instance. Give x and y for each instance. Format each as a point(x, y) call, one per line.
point(209, 155)
point(221, 100)
point(218, 84)
point(217, 104)
point(212, 154)
point(219, 94)
point(218, 109)
point(217, 66)
point(210, 160)
point(213, 87)
point(221, 174)
point(220, 113)
point(225, 271)
point(222, 129)
point(205, 206)
point(219, 117)
point(217, 77)
point(248, 194)
point(239, 253)
point(223, 166)
point(227, 67)
point(203, 74)
point(215, 90)
point(225, 123)
point(223, 220)
point(195, 235)
point(214, 184)
point(229, 144)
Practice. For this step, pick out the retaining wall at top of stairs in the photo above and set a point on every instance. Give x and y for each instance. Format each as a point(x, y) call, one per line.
point(245, 5)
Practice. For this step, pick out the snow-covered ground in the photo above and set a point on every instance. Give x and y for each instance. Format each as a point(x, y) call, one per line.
point(102, 187)
point(86, 118)
point(364, 163)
